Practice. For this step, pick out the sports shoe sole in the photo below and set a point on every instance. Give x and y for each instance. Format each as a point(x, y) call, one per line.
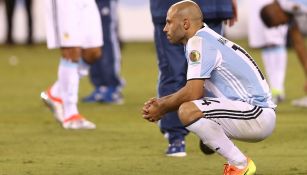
point(180, 154)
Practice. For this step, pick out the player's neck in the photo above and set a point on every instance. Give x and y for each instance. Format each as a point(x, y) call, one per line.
point(190, 33)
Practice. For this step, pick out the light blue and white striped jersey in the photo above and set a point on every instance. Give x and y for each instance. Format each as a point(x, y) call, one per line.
point(296, 7)
point(229, 70)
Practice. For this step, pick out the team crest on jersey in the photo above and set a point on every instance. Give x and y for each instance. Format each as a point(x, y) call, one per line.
point(194, 56)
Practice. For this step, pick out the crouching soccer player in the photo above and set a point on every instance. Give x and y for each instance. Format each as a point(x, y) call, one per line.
point(226, 96)
point(74, 26)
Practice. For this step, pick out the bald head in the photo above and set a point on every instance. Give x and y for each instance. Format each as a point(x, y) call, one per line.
point(187, 9)
point(183, 20)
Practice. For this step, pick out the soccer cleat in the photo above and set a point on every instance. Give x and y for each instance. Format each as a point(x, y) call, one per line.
point(250, 169)
point(205, 149)
point(176, 149)
point(105, 94)
point(301, 102)
point(77, 122)
point(54, 104)
point(93, 97)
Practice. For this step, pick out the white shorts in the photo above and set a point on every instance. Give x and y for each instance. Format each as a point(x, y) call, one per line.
point(258, 34)
point(238, 119)
point(73, 23)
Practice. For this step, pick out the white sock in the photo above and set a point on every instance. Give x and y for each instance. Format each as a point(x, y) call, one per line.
point(69, 83)
point(55, 90)
point(83, 68)
point(275, 64)
point(212, 134)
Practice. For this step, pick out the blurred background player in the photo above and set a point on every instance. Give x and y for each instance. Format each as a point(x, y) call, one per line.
point(285, 12)
point(272, 42)
point(172, 63)
point(105, 73)
point(10, 8)
point(74, 26)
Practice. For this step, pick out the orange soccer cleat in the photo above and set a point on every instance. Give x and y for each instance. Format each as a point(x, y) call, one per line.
point(250, 169)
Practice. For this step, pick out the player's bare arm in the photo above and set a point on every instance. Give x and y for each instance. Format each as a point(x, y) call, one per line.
point(300, 48)
point(231, 22)
point(154, 109)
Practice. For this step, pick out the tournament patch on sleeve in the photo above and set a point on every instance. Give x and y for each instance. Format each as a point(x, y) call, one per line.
point(194, 56)
point(194, 49)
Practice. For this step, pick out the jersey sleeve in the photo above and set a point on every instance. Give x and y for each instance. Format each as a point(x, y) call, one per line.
point(202, 58)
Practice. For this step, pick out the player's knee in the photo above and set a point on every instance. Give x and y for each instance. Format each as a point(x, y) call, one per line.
point(71, 53)
point(188, 113)
point(91, 55)
point(96, 53)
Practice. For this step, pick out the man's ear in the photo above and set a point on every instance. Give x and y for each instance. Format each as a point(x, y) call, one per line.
point(186, 24)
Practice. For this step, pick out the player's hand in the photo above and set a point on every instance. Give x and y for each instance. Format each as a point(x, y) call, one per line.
point(151, 110)
point(147, 105)
point(231, 22)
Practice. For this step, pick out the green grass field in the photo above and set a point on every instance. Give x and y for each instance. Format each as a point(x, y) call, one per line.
point(32, 143)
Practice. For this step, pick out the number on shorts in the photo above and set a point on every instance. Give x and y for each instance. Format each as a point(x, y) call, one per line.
point(208, 102)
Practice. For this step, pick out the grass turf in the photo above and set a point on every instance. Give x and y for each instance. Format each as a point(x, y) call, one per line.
point(32, 143)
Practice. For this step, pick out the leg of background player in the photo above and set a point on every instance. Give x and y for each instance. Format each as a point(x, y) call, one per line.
point(275, 63)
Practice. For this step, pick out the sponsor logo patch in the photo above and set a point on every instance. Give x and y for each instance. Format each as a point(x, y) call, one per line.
point(222, 40)
point(194, 56)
